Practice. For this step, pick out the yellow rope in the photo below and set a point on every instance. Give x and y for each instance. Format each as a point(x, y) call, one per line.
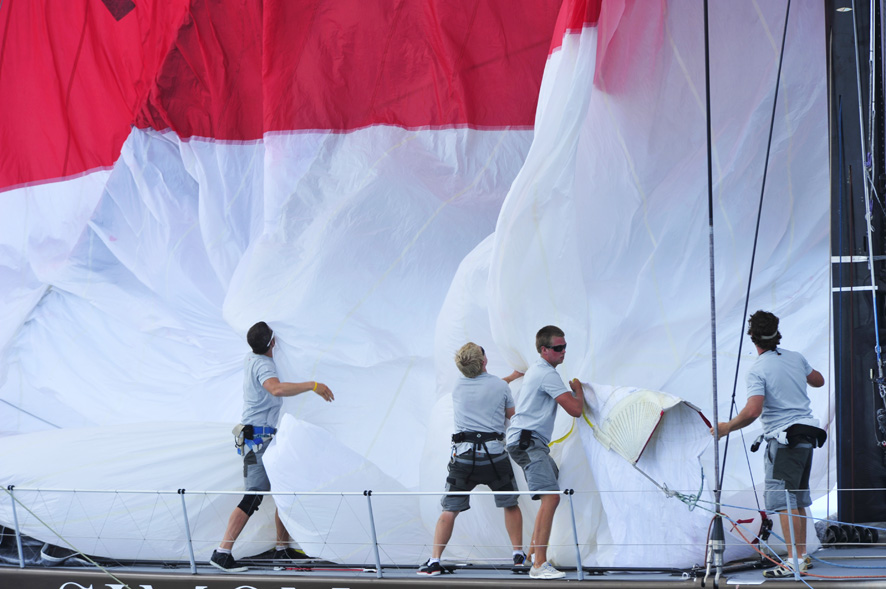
point(572, 427)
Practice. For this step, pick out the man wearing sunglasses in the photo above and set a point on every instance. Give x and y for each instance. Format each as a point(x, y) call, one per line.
point(262, 399)
point(530, 433)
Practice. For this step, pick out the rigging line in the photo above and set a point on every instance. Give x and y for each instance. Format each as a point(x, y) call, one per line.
point(865, 155)
point(770, 559)
point(872, 88)
point(26, 412)
point(757, 232)
point(761, 553)
point(62, 538)
point(876, 196)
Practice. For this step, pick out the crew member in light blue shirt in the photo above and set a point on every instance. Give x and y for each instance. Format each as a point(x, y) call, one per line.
point(776, 389)
point(530, 432)
point(482, 404)
point(262, 399)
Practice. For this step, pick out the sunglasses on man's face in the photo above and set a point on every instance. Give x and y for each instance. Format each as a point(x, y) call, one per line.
point(559, 348)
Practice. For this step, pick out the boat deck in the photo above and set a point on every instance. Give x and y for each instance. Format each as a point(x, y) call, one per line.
point(863, 566)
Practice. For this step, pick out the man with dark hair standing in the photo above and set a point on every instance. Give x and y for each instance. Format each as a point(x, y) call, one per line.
point(530, 433)
point(481, 405)
point(776, 389)
point(262, 399)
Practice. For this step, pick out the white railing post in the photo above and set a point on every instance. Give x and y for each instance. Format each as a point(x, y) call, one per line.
point(18, 533)
point(181, 493)
point(374, 537)
point(579, 569)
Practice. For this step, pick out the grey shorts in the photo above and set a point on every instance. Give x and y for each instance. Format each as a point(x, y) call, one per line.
point(539, 468)
point(466, 471)
point(787, 468)
point(254, 470)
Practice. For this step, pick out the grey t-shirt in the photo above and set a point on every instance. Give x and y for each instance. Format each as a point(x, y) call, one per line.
point(537, 405)
point(259, 406)
point(479, 405)
point(781, 380)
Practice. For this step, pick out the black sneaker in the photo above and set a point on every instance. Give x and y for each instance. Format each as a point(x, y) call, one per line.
point(521, 563)
point(431, 569)
point(291, 554)
point(225, 562)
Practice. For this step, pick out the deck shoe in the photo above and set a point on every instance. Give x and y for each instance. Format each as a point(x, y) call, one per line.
point(431, 569)
point(786, 569)
point(545, 571)
point(224, 561)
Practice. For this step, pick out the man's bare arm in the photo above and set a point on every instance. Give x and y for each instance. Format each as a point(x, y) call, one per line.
point(745, 417)
point(291, 389)
point(512, 376)
point(574, 402)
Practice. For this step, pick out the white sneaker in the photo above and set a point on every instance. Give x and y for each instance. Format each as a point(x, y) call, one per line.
point(545, 571)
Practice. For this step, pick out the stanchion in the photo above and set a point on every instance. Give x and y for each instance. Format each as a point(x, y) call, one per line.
point(579, 569)
point(18, 534)
point(374, 537)
point(181, 493)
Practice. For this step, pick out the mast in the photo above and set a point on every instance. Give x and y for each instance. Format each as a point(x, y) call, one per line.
point(717, 541)
point(855, 99)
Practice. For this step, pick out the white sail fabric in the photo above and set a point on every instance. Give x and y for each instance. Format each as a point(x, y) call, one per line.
point(630, 422)
point(113, 491)
point(604, 232)
point(375, 254)
point(633, 490)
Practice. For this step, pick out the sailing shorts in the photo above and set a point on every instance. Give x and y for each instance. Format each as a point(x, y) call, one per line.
point(254, 470)
point(787, 468)
point(467, 470)
point(539, 468)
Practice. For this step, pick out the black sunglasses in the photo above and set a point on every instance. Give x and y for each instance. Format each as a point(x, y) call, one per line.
point(559, 348)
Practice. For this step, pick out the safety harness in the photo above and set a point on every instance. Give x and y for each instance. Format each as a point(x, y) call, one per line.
point(478, 439)
point(251, 437)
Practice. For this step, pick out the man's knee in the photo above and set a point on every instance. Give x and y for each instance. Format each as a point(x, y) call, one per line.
point(249, 504)
point(550, 500)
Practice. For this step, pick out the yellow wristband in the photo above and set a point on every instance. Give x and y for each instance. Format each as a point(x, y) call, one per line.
point(315, 386)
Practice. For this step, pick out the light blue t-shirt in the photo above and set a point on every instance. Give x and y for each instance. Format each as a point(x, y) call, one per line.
point(537, 406)
point(479, 405)
point(260, 407)
point(781, 380)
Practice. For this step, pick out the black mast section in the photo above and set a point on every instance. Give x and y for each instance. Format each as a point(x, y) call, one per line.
point(855, 108)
